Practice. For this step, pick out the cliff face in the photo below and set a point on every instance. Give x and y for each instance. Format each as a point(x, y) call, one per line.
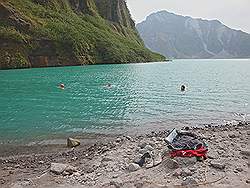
point(41, 33)
point(184, 37)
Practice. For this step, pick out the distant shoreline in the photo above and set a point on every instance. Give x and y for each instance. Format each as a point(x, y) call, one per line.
point(166, 61)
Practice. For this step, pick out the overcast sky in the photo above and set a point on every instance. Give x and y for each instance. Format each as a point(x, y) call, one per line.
point(233, 13)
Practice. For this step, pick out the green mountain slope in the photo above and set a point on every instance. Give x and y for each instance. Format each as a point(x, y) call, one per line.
point(41, 33)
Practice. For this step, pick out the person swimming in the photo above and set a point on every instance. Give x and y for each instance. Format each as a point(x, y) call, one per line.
point(108, 86)
point(61, 86)
point(183, 88)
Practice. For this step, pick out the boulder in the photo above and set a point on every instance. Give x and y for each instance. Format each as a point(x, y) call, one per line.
point(71, 142)
point(133, 167)
point(59, 168)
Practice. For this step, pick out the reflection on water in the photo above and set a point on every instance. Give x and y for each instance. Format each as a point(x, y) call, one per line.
point(140, 95)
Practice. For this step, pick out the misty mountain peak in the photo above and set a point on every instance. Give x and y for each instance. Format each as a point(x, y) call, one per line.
point(178, 36)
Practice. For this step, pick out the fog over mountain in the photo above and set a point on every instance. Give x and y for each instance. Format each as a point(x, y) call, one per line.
point(177, 36)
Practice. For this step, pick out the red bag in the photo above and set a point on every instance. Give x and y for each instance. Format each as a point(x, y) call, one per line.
point(201, 152)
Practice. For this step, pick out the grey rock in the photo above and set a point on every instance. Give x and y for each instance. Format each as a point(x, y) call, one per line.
point(189, 182)
point(59, 168)
point(248, 181)
point(77, 174)
point(65, 173)
point(157, 159)
point(192, 169)
point(149, 148)
point(232, 135)
point(143, 151)
point(115, 176)
point(106, 159)
point(118, 140)
point(217, 165)
point(170, 163)
point(150, 163)
point(212, 156)
point(186, 172)
point(129, 138)
point(142, 144)
point(71, 142)
point(177, 172)
point(187, 161)
point(133, 167)
point(239, 169)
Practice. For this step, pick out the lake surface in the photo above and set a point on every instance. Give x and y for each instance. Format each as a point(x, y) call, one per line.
point(141, 96)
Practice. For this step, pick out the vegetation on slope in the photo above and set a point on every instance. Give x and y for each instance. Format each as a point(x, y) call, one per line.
point(55, 30)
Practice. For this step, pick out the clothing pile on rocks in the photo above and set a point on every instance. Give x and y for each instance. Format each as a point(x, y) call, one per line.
point(179, 143)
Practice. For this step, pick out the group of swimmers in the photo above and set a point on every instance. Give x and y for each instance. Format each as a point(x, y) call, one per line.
point(62, 86)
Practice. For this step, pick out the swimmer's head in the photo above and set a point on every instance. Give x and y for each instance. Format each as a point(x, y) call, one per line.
point(62, 86)
point(183, 88)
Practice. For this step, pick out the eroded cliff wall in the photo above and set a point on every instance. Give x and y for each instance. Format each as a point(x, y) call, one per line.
point(41, 33)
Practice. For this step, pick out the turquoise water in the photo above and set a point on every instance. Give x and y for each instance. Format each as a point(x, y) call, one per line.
point(142, 96)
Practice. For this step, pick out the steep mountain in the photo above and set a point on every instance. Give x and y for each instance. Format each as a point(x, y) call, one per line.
point(177, 36)
point(41, 33)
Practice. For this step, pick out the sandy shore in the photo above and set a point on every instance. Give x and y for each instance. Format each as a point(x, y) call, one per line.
point(105, 161)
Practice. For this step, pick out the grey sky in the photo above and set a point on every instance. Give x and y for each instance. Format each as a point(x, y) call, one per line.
point(233, 13)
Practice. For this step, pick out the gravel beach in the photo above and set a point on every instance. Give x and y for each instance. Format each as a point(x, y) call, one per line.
point(109, 161)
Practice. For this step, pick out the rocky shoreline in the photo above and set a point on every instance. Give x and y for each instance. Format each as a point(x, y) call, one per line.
point(109, 161)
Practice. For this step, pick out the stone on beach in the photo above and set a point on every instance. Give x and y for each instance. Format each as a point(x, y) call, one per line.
point(133, 167)
point(157, 159)
point(218, 165)
point(170, 163)
point(148, 148)
point(189, 182)
point(59, 168)
point(71, 142)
